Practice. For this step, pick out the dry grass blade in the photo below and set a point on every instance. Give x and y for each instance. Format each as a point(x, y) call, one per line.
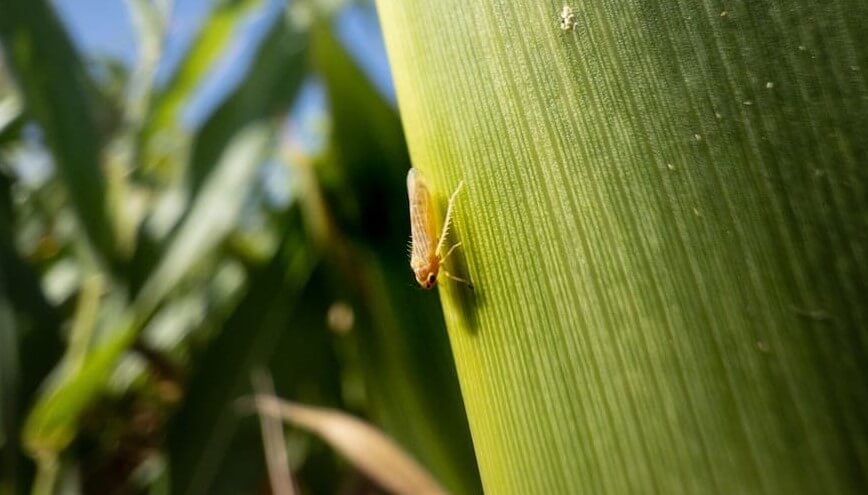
point(273, 441)
point(368, 449)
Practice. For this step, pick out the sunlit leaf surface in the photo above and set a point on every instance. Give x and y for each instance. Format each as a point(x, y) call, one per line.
point(664, 218)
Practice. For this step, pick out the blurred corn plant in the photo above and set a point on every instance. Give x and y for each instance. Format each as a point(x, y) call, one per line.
point(149, 265)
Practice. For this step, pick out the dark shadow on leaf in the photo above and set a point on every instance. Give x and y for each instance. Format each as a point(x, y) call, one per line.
point(467, 298)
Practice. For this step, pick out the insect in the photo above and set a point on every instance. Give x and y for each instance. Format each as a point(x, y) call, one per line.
point(426, 245)
point(568, 18)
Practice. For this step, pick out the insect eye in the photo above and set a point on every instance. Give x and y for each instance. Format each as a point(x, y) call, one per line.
point(431, 278)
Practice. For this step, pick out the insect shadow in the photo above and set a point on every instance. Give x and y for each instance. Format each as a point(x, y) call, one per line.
point(468, 299)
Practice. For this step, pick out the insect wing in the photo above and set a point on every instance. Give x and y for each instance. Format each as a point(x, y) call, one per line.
point(422, 223)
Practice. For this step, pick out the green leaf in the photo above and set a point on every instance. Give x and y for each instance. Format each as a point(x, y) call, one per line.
point(401, 338)
point(664, 215)
point(266, 94)
point(9, 394)
point(11, 118)
point(28, 327)
point(262, 98)
point(151, 21)
point(52, 423)
point(209, 445)
point(61, 98)
point(162, 129)
point(212, 216)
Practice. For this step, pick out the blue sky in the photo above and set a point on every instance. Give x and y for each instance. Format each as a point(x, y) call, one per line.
point(104, 28)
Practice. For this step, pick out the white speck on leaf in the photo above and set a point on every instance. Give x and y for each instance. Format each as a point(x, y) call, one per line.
point(568, 18)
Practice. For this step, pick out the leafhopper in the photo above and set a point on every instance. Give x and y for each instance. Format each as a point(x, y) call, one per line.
point(426, 242)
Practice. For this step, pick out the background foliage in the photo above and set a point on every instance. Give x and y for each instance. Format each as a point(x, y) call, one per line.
point(149, 267)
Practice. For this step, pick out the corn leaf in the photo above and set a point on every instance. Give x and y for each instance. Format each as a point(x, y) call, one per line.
point(52, 424)
point(11, 117)
point(60, 97)
point(271, 86)
point(209, 446)
point(162, 131)
point(213, 214)
point(28, 327)
point(664, 215)
point(9, 382)
point(402, 343)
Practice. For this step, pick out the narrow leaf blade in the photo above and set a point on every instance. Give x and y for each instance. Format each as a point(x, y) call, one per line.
point(366, 447)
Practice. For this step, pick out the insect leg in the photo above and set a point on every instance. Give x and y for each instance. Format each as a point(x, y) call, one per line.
point(457, 279)
point(448, 221)
point(449, 252)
